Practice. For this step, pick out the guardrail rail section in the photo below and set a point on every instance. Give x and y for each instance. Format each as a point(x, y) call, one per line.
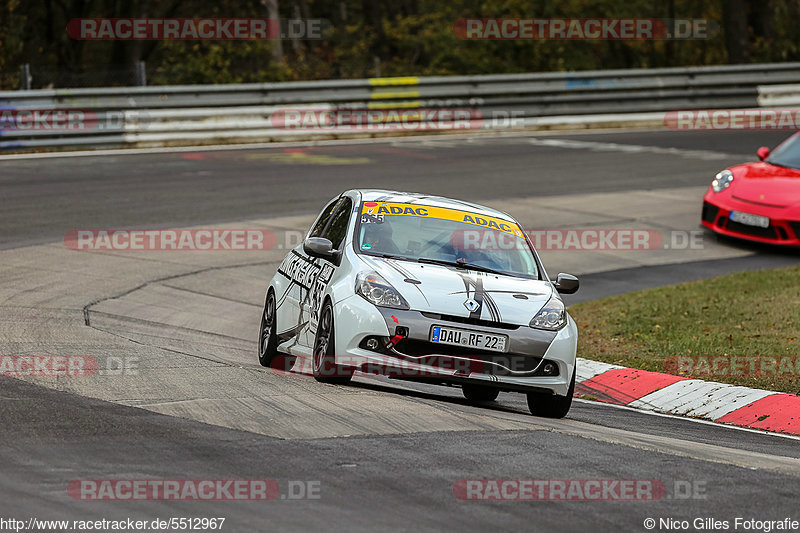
point(216, 114)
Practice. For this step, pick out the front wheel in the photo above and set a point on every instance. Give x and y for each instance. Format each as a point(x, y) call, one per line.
point(479, 393)
point(551, 405)
point(267, 335)
point(324, 366)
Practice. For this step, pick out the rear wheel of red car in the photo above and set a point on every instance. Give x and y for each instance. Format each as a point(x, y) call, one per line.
point(479, 393)
point(551, 405)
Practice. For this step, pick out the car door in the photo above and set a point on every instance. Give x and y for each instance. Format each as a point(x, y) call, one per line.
point(335, 231)
point(297, 267)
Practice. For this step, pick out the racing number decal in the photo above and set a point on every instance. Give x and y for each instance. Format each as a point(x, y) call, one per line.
point(319, 287)
point(371, 219)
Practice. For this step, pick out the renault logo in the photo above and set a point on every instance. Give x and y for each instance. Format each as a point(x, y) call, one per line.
point(472, 305)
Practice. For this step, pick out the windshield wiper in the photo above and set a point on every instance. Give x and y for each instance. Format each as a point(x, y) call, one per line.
point(393, 256)
point(462, 264)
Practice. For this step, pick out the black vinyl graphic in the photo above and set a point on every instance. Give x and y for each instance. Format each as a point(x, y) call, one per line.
point(479, 295)
point(310, 275)
point(408, 275)
point(290, 333)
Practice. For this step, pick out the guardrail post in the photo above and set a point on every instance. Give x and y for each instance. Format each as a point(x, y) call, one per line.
point(141, 75)
point(25, 77)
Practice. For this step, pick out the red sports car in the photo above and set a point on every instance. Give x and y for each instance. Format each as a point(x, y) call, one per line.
point(758, 201)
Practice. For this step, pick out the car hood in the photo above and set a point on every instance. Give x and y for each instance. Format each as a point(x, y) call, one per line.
point(766, 184)
point(444, 290)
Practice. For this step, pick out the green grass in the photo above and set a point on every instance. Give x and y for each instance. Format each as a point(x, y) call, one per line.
point(755, 315)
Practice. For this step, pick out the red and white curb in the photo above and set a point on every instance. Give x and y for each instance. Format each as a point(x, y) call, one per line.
point(677, 395)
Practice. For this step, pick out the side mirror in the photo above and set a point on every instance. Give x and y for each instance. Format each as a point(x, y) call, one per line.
point(566, 283)
point(762, 153)
point(318, 247)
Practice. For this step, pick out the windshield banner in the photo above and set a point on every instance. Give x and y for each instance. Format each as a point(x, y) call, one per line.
point(373, 213)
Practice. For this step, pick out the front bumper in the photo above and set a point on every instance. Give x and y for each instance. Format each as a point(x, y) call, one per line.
point(716, 217)
point(417, 359)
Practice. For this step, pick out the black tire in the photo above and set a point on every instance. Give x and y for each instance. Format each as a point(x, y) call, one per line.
point(324, 365)
point(267, 333)
point(551, 405)
point(479, 393)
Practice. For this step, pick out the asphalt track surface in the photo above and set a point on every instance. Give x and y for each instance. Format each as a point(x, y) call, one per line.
point(399, 481)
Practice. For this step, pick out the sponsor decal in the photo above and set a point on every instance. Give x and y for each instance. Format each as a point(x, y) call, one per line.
point(443, 213)
point(310, 274)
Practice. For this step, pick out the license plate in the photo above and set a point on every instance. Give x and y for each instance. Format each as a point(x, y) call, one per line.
point(749, 220)
point(469, 339)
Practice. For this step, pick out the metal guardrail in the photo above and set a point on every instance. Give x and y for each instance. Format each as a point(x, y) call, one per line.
point(205, 114)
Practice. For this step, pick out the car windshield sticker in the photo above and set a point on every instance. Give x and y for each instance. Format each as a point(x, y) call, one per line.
point(371, 219)
point(380, 209)
point(366, 246)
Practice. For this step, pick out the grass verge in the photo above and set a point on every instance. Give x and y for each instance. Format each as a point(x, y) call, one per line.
point(742, 329)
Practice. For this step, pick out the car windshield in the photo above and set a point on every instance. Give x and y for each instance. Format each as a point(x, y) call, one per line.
point(787, 154)
point(421, 233)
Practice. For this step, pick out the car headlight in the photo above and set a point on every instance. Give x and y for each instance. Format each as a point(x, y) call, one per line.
point(376, 290)
point(722, 181)
point(552, 316)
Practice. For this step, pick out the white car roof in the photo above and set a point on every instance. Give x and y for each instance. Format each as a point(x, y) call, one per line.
point(380, 195)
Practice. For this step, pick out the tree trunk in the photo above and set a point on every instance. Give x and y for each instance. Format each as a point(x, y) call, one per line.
point(274, 14)
point(734, 24)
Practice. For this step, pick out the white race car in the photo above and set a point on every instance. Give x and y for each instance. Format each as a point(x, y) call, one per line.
point(428, 289)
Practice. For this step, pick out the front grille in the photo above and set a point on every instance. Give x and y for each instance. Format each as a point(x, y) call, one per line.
point(471, 321)
point(710, 212)
point(435, 354)
point(796, 229)
point(755, 231)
